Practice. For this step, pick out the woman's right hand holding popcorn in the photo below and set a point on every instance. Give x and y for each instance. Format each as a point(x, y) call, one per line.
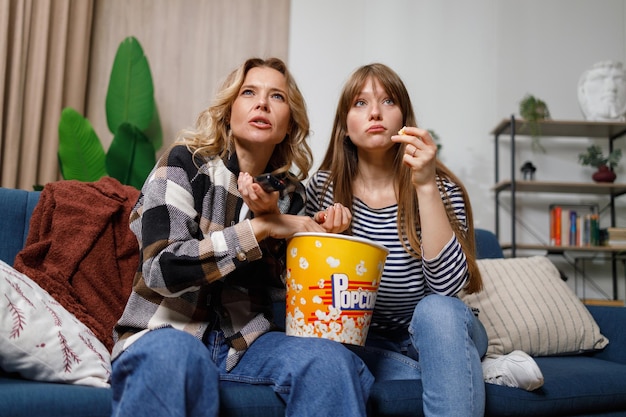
point(335, 219)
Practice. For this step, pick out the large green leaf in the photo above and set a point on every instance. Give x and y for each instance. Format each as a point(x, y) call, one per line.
point(154, 132)
point(131, 156)
point(130, 97)
point(81, 155)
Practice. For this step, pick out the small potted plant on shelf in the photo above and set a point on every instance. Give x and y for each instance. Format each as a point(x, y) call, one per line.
point(604, 164)
point(533, 110)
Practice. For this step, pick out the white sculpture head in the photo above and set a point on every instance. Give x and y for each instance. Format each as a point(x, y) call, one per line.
point(602, 92)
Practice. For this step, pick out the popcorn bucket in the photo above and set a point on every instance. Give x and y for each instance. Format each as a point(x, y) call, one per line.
point(332, 282)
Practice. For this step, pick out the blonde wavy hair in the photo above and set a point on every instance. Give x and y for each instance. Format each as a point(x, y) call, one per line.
point(341, 160)
point(212, 136)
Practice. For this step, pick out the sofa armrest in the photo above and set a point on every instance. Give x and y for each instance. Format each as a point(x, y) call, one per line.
point(16, 207)
point(612, 322)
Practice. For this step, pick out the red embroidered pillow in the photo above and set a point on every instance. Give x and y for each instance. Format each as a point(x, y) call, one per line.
point(41, 340)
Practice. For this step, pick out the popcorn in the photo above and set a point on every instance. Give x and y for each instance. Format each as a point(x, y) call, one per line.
point(304, 264)
point(329, 325)
point(294, 286)
point(361, 269)
point(333, 262)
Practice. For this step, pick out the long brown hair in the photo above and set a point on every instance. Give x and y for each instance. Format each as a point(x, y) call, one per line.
point(341, 161)
point(212, 135)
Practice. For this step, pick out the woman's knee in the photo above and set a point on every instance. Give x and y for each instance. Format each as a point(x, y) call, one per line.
point(440, 305)
point(167, 349)
point(438, 311)
point(159, 374)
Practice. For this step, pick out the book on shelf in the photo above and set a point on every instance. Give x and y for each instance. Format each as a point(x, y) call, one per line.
point(616, 232)
point(574, 225)
point(616, 236)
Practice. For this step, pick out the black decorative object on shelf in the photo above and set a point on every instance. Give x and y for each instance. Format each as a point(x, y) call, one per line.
point(528, 171)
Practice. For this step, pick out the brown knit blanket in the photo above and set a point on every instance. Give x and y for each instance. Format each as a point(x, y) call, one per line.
point(81, 251)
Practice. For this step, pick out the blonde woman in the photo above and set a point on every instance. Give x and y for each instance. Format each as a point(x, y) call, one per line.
point(212, 245)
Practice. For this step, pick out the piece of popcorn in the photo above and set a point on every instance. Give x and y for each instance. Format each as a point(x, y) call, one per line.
point(361, 269)
point(332, 262)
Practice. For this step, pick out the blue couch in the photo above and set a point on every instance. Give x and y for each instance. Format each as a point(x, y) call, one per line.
point(582, 385)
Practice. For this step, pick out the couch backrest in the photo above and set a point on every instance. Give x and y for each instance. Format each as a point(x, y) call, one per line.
point(487, 245)
point(16, 207)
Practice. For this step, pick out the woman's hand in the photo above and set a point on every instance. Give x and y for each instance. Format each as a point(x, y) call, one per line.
point(420, 154)
point(335, 219)
point(259, 201)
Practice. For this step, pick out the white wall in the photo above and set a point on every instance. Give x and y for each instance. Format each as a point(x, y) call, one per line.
point(467, 65)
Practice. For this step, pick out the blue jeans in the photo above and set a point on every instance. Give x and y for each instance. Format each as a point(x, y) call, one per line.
point(161, 373)
point(443, 347)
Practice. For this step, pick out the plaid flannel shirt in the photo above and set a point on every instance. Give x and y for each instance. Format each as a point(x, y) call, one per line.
point(201, 266)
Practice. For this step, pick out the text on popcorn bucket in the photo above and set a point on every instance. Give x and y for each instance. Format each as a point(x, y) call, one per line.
point(346, 299)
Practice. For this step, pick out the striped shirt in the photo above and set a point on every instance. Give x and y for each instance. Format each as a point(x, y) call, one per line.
point(405, 280)
point(200, 263)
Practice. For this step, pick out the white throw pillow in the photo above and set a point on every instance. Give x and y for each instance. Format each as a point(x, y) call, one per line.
point(525, 305)
point(41, 340)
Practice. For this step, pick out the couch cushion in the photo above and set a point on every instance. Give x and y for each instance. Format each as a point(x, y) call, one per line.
point(566, 391)
point(396, 398)
point(62, 400)
point(526, 305)
point(573, 385)
point(41, 340)
point(22, 398)
point(242, 400)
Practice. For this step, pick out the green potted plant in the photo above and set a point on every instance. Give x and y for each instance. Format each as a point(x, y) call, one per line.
point(605, 164)
point(132, 117)
point(533, 110)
